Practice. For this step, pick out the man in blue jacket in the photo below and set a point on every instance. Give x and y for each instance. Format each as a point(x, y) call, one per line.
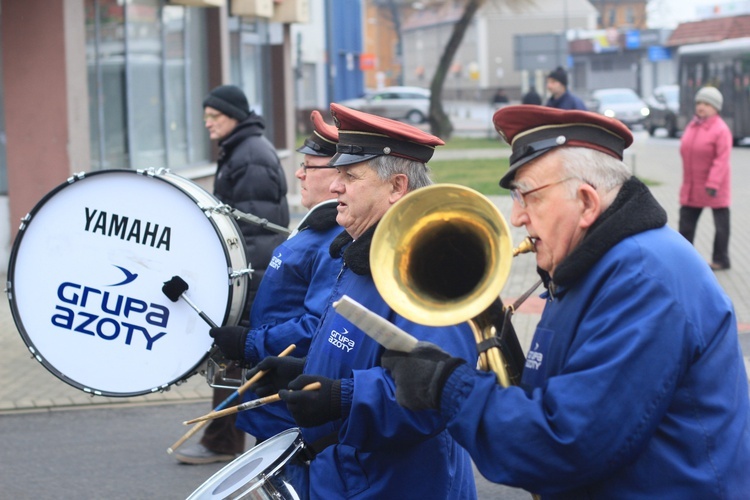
point(634, 385)
point(296, 285)
point(367, 445)
point(560, 96)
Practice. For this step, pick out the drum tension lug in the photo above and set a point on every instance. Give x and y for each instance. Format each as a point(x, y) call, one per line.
point(242, 272)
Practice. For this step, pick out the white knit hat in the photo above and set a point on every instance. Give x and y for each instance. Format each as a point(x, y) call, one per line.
point(711, 96)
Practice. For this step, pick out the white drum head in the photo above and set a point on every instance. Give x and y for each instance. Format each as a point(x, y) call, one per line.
point(86, 275)
point(249, 471)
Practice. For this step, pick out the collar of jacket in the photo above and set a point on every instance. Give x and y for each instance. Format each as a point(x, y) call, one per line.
point(322, 217)
point(634, 211)
point(703, 122)
point(252, 125)
point(356, 253)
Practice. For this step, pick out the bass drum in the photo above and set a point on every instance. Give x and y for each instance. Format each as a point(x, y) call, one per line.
point(275, 469)
point(86, 273)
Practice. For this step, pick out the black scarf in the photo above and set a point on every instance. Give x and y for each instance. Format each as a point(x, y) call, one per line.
point(633, 211)
point(356, 255)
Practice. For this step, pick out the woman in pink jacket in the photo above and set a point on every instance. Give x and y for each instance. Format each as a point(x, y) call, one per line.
point(705, 149)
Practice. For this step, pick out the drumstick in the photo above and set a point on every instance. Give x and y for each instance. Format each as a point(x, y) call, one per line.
point(175, 289)
point(247, 406)
point(226, 402)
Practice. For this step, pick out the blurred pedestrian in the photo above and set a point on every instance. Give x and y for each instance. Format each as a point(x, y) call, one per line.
point(705, 149)
point(561, 97)
point(532, 97)
point(249, 178)
point(500, 98)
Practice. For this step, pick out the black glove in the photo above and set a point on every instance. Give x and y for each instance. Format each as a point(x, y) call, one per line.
point(231, 340)
point(316, 407)
point(281, 371)
point(420, 374)
point(711, 192)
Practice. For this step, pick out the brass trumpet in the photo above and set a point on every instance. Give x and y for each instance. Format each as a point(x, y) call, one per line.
point(441, 256)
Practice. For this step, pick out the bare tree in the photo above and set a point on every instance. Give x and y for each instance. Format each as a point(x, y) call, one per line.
point(440, 122)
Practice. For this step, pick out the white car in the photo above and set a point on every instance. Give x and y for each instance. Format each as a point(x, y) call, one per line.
point(623, 104)
point(411, 104)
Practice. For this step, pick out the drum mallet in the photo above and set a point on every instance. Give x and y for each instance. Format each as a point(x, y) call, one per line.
point(226, 403)
point(175, 289)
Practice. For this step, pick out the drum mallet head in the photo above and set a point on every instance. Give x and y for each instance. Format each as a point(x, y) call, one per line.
point(175, 290)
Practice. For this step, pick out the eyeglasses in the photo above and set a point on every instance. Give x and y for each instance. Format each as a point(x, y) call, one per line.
point(305, 168)
point(518, 196)
point(212, 116)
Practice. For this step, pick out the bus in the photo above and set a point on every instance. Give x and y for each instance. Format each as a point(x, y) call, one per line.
point(724, 65)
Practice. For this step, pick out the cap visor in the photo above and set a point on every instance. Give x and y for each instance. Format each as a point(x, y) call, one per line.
point(511, 173)
point(341, 159)
point(307, 150)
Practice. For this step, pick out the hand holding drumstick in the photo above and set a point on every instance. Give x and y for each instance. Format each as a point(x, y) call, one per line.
point(249, 405)
point(261, 372)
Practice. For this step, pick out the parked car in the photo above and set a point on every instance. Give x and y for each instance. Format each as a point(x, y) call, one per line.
point(623, 104)
point(664, 108)
point(398, 103)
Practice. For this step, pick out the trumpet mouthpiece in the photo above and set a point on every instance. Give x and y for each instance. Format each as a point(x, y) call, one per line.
point(526, 246)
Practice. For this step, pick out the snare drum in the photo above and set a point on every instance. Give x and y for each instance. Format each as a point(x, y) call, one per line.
point(86, 273)
point(275, 469)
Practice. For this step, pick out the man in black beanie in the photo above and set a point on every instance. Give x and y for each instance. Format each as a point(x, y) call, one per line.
point(560, 97)
point(250, 179)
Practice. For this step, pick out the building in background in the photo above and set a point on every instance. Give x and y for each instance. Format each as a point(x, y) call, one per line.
point(486, 61)
point(716, 52)
point(107, 84)
point(621, 13)
point(327, 57)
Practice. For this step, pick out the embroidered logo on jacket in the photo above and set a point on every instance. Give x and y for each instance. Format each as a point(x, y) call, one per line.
point(341, 341)
point(536, 367)
point(276, 261)
point(534, 358)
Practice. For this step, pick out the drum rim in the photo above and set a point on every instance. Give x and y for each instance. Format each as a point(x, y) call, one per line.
point(270, 471)
point(10, 292)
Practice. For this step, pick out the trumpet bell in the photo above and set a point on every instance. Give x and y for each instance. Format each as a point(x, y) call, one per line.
point(441, 255)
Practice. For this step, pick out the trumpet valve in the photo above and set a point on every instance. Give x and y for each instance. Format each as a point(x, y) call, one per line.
point(526, 246)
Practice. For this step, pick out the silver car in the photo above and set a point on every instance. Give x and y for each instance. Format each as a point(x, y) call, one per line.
point(623, 104)
point(411, 104)
point(664, 107)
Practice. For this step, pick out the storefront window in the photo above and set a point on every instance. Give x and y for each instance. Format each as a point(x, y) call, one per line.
point(146, 67)
point(249, 54)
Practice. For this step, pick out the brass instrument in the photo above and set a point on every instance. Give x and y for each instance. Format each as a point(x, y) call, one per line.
point(441, 256)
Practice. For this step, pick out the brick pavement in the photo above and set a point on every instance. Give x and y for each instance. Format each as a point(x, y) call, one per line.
point(28, 386)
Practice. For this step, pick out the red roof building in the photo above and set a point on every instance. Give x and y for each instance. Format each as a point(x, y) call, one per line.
point(710, 30)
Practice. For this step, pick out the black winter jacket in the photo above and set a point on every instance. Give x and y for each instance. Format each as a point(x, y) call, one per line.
point(250, 179)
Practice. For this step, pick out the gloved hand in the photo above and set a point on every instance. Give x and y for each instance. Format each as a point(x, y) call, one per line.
point(311, 408)
point(420, 374)
point(231, 340)
point(711, 192)
point(281, 371)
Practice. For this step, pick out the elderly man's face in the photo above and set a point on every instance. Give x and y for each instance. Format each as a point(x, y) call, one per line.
point(315, 182)
point(363, 197)
point(218, 124)
point(555, 220)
